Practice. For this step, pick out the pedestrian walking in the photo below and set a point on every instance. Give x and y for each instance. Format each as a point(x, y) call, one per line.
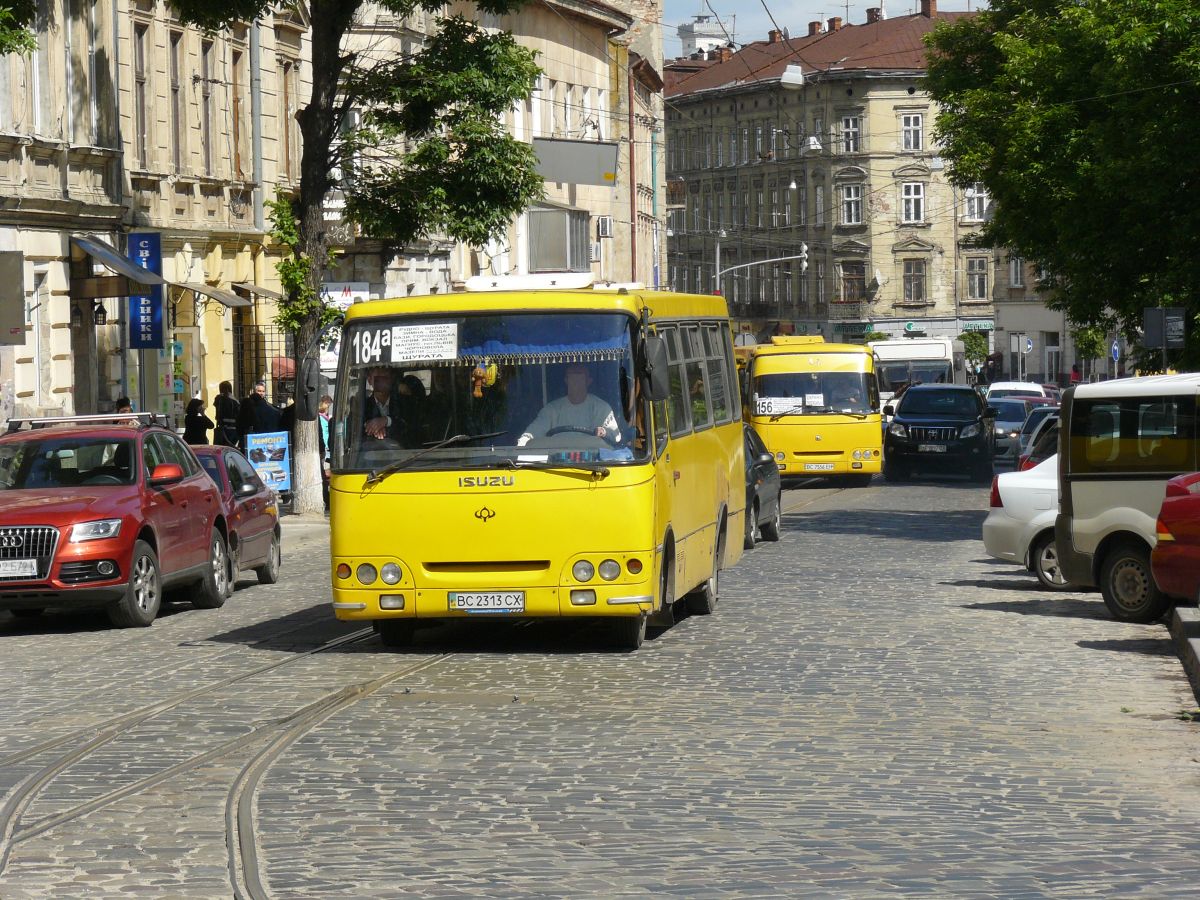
point(196, 424)
point(225, 409)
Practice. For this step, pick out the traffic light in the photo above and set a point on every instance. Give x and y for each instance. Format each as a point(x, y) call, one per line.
point(804, 257)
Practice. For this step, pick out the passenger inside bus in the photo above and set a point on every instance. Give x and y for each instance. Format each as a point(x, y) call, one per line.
point(579, 411)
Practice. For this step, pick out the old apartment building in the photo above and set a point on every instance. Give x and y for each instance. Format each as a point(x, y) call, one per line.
point(125, 136)
point(805, 185)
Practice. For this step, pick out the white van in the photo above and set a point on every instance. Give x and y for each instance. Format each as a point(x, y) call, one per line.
point(1119, 442)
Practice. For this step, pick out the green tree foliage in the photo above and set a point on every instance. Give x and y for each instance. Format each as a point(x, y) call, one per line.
point(1079, 117)
point(429, 156)
point(975, 347)
point(17, 19)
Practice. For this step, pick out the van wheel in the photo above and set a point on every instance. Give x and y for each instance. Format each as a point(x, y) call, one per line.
point(628, 632)
point(751, 537)
point(1043, 555)
point(1128, 585)
point(143, 594)
point(214, 586)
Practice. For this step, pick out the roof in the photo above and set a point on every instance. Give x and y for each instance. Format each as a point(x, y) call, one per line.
point(1140, 386)
point(894, 44)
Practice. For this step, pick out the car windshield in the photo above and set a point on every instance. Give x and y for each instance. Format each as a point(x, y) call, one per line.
point(1010, 411)
point(486, 390)
point(38, 463)
point(801, 393)
point(1035, 416)
point(952, 403)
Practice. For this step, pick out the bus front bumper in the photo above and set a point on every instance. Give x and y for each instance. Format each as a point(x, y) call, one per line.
point(593, 599)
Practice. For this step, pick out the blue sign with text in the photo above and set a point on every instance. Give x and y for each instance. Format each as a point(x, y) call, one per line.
point(270, 455)
point(146, 310)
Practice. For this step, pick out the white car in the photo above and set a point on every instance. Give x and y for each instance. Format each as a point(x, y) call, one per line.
point(1020, 525)
point(998, 389)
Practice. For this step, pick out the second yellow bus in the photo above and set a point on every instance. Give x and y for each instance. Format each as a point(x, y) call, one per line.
point(816, 407)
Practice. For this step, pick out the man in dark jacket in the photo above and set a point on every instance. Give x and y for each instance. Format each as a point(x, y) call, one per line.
point(257, 416)
point(225, 410)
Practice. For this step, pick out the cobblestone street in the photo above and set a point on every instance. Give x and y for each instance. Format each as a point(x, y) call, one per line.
point(876, 708)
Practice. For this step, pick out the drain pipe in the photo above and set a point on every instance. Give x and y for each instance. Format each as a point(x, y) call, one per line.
point(256, 121)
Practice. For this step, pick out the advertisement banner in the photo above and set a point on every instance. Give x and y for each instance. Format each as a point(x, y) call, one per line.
point(270, 455)
point(146, 310)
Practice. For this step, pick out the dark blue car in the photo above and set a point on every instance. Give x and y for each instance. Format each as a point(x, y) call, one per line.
point(763, 492)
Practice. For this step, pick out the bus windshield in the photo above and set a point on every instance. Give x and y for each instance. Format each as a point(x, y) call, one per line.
point(893, 375)
point(487, 390)
point(809, 393)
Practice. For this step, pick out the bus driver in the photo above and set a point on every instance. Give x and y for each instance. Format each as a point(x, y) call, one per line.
point(578, 411)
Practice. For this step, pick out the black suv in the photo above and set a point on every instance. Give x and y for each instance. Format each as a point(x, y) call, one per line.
point(939, 426)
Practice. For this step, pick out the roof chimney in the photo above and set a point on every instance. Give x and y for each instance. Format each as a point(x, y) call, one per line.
point(814, 28)
point(773, 36)
point(726, 54)
point(873, 15)
point(929, 9)
point(836, 22)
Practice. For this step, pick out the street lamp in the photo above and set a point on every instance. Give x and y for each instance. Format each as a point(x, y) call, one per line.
point(717, 268)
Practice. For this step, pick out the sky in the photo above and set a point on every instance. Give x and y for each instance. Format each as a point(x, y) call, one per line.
point(748, 20)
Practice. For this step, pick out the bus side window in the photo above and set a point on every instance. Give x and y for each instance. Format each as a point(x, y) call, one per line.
point(718, 389)
point(678, 420)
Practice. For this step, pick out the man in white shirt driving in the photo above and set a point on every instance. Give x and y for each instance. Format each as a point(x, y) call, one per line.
point(578, 411)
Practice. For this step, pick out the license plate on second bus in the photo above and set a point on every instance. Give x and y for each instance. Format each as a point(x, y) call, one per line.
point(18, 568)
point(931, 448)
point(818, 467)
point(487, 601)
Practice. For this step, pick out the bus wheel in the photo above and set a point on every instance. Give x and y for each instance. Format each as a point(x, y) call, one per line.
point(629, 632)
point(1128, 587)
point(702, 601)
point(396, 632)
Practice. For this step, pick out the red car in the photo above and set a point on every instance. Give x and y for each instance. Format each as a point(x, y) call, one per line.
point(1175, 561)
point(250, 510)
point(106, 511)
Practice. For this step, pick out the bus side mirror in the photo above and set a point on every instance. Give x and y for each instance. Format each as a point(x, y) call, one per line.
point(308, 386)
point(656, 375)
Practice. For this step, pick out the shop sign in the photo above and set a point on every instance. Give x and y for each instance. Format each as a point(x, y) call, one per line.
point(979, 325)
point(146, 310)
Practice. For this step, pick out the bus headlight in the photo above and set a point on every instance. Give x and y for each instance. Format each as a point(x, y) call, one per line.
point(366, 573)
point(610, 570)
point(857, 454)
point(390, 573)
point(583, 570)
point(780, 456)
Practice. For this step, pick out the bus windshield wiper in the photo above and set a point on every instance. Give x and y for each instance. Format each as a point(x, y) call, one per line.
point(790, 411)
point(597, 471)
point(377, 475)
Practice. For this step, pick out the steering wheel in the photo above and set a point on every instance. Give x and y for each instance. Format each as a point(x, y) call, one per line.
point(102, 479)
point(575, 429)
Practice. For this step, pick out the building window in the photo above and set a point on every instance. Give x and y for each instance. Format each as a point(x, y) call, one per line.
point(735, 209)
point(206, 111)
point(852, 204)
point(977, 278)
point(745, 209)
point(914, 281)
point(977, 202)
point(819, 205)
point(912, 127)
point(696, 213)
point(820, 267)
point(745, 145)
point(758, 144)
point(720, 161)
point(239, 109)
point(177, 100)
point(760, 208)
point(558, 240)
point(1016, 272)
point(733, 147)
point(854, 281)
point(912, 202)
point(141, 95)
point(851, 129)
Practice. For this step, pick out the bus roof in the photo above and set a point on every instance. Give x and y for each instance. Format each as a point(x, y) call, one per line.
point(808, 348)
point(1140, 386)
point(660, 304)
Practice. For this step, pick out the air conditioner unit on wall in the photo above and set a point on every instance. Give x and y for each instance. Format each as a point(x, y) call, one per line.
point(604, 226)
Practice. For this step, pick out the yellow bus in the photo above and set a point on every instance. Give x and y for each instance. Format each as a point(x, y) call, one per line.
point(534, 454)
point(816, 407)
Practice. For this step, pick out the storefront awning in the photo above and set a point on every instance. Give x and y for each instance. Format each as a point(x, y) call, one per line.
point(222, 296)
point(248, 288)
point(111, 259)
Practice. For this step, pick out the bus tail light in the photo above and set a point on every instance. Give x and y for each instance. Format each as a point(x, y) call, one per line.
point(343, 570)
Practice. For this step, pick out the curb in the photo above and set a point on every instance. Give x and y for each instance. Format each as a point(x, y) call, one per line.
point(1185, 633)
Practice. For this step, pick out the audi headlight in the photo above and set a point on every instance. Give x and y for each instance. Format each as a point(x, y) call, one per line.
point(96, 531)
point(898, 430)
point(970, 431)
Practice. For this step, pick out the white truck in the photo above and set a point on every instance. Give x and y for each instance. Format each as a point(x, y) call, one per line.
point(917, 361)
